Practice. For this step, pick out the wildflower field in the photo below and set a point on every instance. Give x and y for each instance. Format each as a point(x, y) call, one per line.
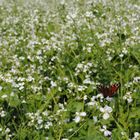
point(69, 70)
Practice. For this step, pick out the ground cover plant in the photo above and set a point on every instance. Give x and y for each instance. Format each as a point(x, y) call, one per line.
point(56, 60)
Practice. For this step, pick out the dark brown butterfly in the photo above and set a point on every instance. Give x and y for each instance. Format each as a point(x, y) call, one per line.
point(108, 90)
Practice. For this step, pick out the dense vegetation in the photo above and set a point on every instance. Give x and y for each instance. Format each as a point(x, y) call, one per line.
point(54, 54)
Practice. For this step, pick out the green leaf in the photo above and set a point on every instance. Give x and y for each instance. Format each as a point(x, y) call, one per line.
point(14, 101)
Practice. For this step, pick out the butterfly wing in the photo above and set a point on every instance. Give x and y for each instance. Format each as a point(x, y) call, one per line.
point(104, 90)
point(113, 89)
point(108, 91)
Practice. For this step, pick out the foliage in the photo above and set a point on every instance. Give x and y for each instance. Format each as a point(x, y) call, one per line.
point(53, 57)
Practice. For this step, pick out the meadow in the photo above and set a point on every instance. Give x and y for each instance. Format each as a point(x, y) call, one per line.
point(54, 57)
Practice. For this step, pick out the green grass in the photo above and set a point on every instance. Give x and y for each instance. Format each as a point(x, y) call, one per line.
point(54, 54)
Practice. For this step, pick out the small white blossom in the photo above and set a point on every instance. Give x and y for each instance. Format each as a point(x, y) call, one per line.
point(91, 103)
point(87, 81)
point(95, 119)
point(23, 101)
point(39, 121)
point(83, 114)
point(7, 130)
point(77, 119)
point(53, 84)
point(106, 111)
point(47, 125)
point(45, 113)
point(85, 97)
point(12, 94)
point(89, 14)
point(81, 88)
point(106, 116)
point(124, 51)
point(109, 98)
point(105, 131)
point(136, 134)
point(2, 113)
point(128, 97)
point(136, 80)
point(123, 133)
point(4, 96)
point(79, 115)
point(121, 55)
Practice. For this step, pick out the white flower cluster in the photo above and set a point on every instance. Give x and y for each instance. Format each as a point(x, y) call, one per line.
point(106, 111)
point(124, 52)
point(82, 67)
point(38, 120)
point(2, 113)
point(136, 79)
point(128, 97)
point(79, 116)
point(105, 131)
point(136, 136)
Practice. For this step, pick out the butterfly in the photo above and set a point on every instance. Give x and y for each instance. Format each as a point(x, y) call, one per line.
point(108, 90)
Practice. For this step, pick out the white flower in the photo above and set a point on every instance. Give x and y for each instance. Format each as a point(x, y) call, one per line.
point(129, 100)
point(45, 113)
point(121, 55)
point(93, 98)
point(91, 103)
point(4, 96)
point(100, 96)
point(89, 14)
point(2, 113)
point(124, 51)
point(53, 84)
point(80, 66)
point(106, 110)
point(95, 119)
point(85, 97)
point(106, 132)
point(136, 79)
point(12, 94)
point(89, 49)
point(83, 114)
point(123, 133)
point(136, 134)
point(7, 130)
point(47, 125)
point(77, 119)
point(30, 78)
point(109, 98)
point(87, 81)
point(106, 116)
point(128, 97)
point(81, 88)
point(39, 121)
point(109, 58)
point(23, 101)
point(78, 116)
